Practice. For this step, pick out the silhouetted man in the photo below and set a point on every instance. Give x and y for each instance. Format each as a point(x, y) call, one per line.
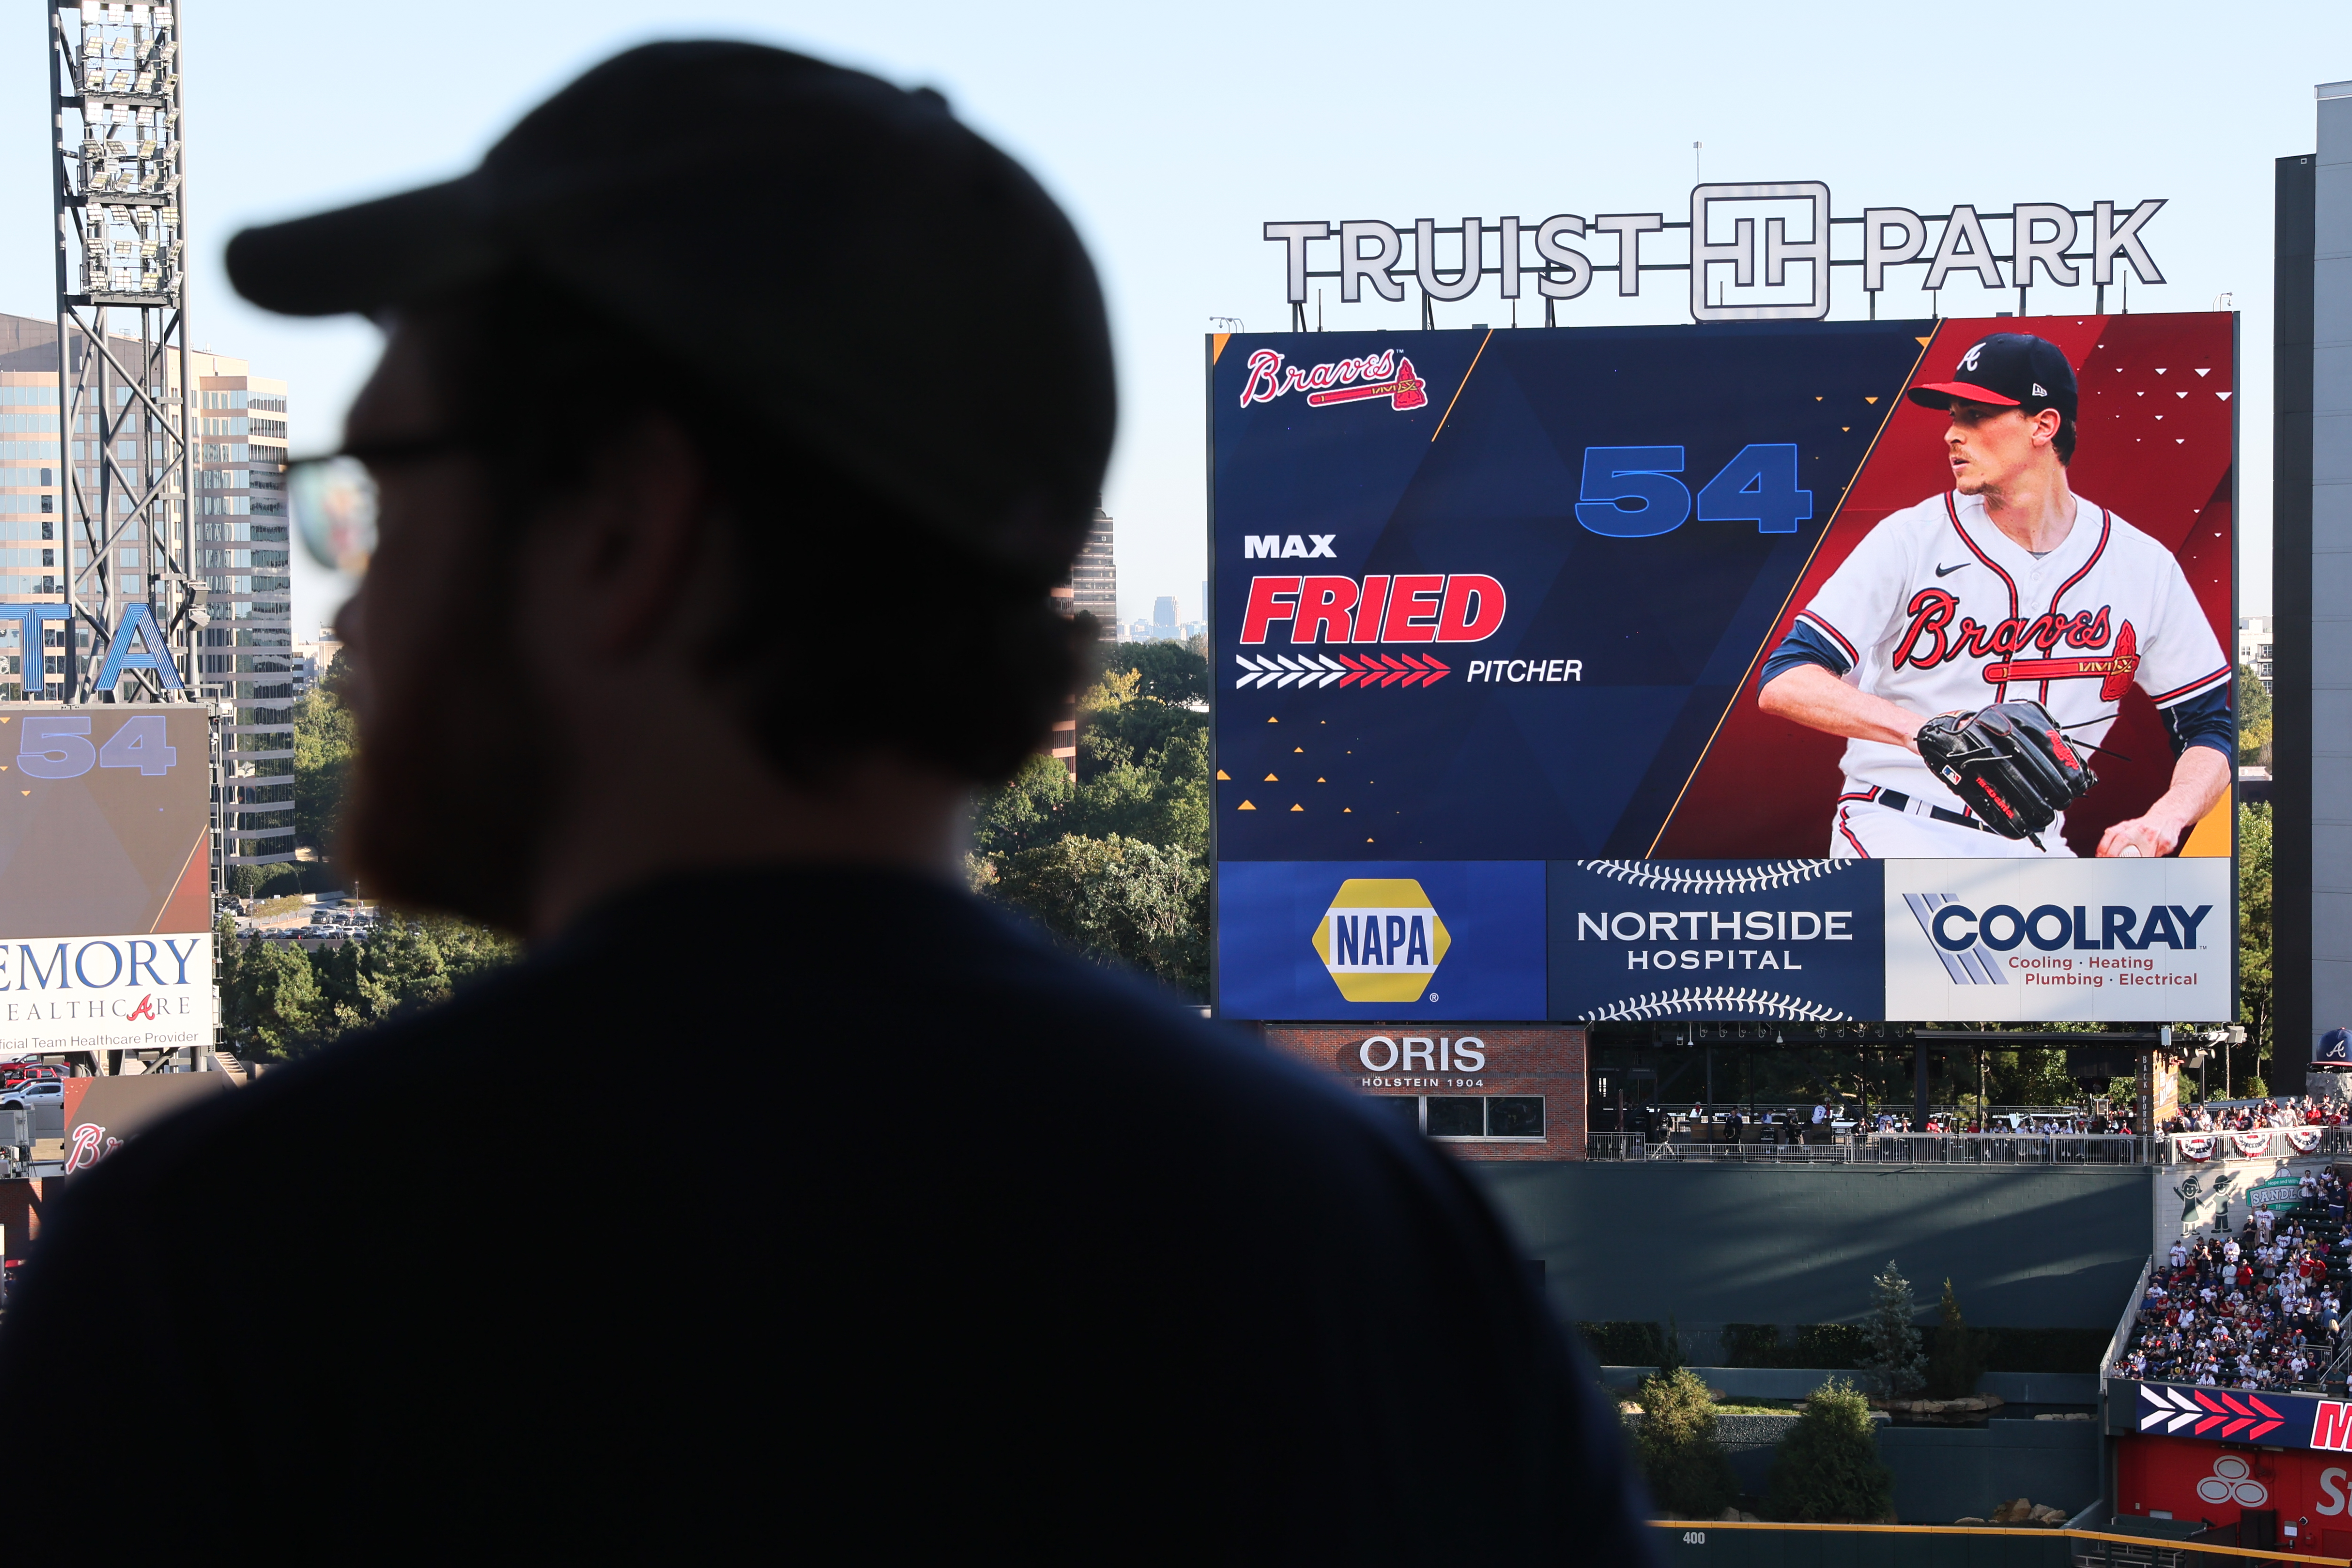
point(784, 1194)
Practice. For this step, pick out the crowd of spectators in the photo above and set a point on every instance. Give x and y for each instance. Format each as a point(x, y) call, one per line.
point(2035, 1124)
point(2259, 1310)
point(2255, 1115)
point(1796, 1125)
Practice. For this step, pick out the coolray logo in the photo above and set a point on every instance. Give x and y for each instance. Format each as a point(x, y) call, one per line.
point(1458, 607)
point(2173, 1409)
point(1381, 939)
point(1971, 944)
point(1385, 374)
point(1967, 940)
point(1972, 964)
point(1370, 671)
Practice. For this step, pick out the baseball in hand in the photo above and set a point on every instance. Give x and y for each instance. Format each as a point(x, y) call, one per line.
point(2130, 851)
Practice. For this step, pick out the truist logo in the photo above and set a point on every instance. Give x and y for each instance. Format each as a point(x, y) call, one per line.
point(1386, 374)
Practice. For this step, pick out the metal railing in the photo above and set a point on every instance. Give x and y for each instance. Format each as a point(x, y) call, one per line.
point(2114, 1545)
point(2010, 1149)
point(2119, 1341)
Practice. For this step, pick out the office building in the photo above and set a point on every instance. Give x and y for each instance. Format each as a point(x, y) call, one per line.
point(1093, 580)
point(1062, 742)
point(2254, 634)
point(238, 512)
point(311, 661)
point(1163, 616)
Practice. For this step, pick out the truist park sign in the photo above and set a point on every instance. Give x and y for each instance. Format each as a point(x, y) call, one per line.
point(1751, 253)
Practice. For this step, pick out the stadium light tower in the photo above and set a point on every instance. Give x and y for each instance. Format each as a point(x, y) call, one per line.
point(118, 176)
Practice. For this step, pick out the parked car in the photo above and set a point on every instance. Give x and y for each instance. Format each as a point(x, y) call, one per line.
point(34, 1091)
point(11, 1073)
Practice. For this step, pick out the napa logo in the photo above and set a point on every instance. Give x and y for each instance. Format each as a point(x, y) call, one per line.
point(1381, 939)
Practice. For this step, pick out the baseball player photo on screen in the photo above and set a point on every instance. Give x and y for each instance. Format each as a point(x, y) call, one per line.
point(1974, 649)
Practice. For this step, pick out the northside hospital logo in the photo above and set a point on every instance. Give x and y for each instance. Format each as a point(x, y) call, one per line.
point(1381, 940)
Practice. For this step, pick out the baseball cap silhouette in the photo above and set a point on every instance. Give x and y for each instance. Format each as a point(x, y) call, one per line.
point(839, 255)
point(2007, 370)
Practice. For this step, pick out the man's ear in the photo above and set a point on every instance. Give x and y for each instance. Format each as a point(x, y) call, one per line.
point(614, 559)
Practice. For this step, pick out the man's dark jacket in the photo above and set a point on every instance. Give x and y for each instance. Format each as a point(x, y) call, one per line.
point(791, 1210)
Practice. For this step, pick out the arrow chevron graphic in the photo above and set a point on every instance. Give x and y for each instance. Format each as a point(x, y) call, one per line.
point(1362, 671)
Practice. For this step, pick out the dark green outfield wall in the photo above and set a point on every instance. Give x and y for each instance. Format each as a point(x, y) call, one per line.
point(1710, 1245)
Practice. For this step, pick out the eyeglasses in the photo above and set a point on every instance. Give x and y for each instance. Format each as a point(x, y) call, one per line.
point(332, 500)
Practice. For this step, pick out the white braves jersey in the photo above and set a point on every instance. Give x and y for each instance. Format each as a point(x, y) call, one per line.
point(1938, 610)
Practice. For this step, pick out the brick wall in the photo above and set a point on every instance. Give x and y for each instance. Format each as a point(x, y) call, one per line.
point(1417, 1060)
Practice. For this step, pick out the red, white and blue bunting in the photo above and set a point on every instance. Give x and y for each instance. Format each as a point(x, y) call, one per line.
point(2251, 1145)
point(2198, 1147)
point(2305, 1139)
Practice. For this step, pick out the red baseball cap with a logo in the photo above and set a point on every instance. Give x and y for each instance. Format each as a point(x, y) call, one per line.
point(2007, 370)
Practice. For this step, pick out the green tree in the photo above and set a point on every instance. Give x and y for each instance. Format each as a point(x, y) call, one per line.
point(1119, 900)
point(1955, 1358)
point(2031, 1077)
point(325, 735)
point(2254, 703)
point(1894, 1362)
point(2255, 990)
point(1681, 1455)
point(407, 962)
point(275, 1006)
point(1168, 671)
point(1115, 863)
point(280, 1000)
point(1827, 1471)
point(1026, 812)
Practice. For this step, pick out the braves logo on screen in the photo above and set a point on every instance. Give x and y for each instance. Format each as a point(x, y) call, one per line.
point(1925, 644)
point(1386, 374)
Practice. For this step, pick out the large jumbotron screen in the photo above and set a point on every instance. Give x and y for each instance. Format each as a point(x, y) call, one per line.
point(1491, 614)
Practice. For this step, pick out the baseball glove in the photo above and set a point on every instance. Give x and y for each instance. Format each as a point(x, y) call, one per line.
point(2010, 763)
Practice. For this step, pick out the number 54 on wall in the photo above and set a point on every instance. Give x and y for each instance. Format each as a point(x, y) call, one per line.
point(58, 745)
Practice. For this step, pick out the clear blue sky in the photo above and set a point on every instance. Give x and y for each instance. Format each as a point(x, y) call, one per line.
point(1172, 132)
